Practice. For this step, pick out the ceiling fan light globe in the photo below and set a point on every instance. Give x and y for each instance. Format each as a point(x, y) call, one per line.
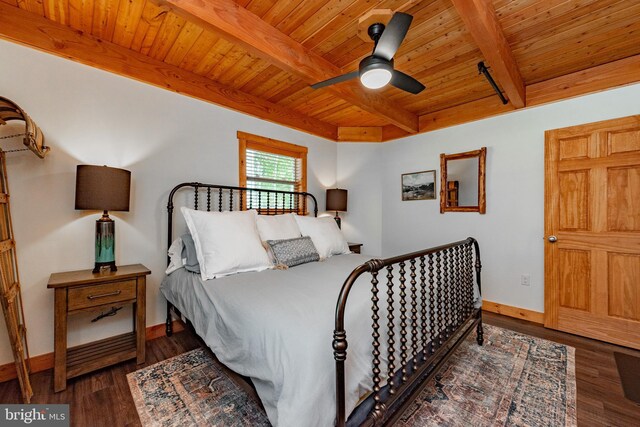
point(375, 78)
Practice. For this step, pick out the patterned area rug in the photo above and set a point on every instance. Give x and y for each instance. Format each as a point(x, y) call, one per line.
point(513, 380)
point(192, 390)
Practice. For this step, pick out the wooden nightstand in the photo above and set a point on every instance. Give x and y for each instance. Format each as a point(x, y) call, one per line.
point(355, 247)
point(81, 291)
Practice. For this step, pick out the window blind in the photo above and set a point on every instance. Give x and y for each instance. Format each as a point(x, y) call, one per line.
point(270, 171)
point(272, 168)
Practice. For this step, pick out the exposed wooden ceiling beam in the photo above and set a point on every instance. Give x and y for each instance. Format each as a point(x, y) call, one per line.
point(240, 26)
point(391, 132)
point(36, 31)
point(465, 113)
point(480, 19)
point(595, 79)
point(602, 77)
point(360, 134)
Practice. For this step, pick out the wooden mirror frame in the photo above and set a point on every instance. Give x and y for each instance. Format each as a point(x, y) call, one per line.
point(481, 154)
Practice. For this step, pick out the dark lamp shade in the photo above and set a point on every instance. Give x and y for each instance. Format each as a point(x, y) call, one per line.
point(337, 200)
point(102, 188)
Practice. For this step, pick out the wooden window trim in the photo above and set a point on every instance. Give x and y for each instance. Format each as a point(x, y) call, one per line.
point(274, 146)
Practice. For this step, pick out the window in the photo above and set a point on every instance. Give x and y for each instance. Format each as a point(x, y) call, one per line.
point(268, 164)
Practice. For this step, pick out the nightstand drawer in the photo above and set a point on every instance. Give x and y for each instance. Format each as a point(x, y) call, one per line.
point(94, 295)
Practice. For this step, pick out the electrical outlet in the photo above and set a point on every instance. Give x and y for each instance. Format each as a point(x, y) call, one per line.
point(525, 280)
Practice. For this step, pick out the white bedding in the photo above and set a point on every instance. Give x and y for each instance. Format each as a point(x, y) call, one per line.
point(276, 328)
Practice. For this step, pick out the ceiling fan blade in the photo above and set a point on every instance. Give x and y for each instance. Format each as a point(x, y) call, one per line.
point(334, 80)
point(406, 83)
point(393, 35)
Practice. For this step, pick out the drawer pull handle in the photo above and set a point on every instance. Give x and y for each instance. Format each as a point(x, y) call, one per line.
point(108, 294)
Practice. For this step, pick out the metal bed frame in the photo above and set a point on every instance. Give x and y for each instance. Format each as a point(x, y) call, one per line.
point(438, 315)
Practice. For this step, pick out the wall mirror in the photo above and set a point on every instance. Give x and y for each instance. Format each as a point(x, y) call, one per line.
point(462, 186)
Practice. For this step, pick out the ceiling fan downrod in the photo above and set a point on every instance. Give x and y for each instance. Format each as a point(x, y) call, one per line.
point(375, 31)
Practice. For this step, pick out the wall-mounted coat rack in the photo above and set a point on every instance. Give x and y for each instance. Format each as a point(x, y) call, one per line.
point(10, 294)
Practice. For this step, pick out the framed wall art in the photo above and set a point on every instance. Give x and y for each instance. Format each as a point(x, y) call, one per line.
point(419, 185)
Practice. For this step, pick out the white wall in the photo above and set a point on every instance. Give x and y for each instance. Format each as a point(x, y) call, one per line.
point(93, 117)
point(511, 232)
point(359, 172)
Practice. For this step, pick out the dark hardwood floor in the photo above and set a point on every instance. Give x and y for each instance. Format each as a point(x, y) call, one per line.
point(103, 398)
point(600, 400)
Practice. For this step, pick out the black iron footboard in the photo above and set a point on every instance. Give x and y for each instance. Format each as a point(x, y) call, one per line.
point(436, 313)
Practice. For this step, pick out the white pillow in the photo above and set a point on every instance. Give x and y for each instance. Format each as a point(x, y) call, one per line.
point(226, 242)
point(175, 256)
point(277, 227)
point(325, 235)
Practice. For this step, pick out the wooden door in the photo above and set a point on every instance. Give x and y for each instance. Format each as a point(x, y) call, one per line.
point(592, 208)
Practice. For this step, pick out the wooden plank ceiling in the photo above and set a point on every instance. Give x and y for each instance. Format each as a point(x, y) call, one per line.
point(260, 56)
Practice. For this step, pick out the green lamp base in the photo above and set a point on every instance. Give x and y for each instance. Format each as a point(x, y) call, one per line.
point(105, 244)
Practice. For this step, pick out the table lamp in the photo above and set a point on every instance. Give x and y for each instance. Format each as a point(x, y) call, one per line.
point(105, 189)
point(337, 201)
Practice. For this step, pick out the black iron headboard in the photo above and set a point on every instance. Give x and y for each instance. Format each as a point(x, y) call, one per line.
point(228, 198)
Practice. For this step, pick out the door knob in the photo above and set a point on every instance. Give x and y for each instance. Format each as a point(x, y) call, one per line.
point(552, 239)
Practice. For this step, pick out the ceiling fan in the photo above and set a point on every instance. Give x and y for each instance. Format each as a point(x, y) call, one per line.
point(376, 70)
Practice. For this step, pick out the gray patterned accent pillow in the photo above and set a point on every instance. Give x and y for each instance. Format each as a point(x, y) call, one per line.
point(291, 252)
